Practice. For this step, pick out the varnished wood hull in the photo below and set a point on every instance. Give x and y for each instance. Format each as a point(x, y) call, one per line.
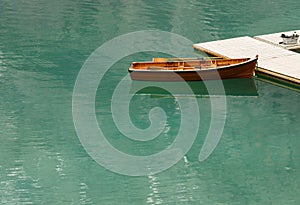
point(241, 70)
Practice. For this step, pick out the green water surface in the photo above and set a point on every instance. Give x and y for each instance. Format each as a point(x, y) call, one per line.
point(43, 45)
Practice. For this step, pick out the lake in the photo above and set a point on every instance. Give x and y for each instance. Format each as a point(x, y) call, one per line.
point(75, 130)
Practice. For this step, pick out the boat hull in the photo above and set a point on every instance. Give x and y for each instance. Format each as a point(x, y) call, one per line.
point(241, 70)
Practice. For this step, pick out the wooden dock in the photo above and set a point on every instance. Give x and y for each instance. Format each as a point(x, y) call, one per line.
point(275, 39)
point(274, 60)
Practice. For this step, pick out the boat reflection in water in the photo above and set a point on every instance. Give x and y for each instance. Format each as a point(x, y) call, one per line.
point(228, 87)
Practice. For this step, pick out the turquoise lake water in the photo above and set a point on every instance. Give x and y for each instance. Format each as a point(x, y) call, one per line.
point(43, 46)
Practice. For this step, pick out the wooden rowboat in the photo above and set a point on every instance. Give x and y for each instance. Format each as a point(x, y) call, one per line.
point(191, 69)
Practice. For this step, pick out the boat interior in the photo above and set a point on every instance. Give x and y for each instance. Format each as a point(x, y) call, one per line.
point(185, 63)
